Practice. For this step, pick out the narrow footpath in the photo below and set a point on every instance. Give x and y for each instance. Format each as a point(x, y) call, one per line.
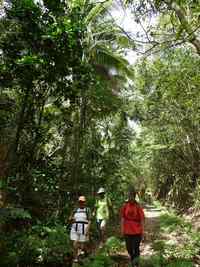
point(152, 221)
point(154, 239)
point(168, 239)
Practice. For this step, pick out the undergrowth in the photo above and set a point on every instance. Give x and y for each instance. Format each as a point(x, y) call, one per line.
point(176, 245)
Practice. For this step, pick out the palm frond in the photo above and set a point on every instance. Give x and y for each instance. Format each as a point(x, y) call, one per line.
point(104, 56)
point(97, 10)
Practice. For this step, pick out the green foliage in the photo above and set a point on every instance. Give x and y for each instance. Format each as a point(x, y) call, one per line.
point(96, 11)
point(159, 246)
point(64, 70)
point(168, 87)
point(153, 261)
point(171, 222)
point(176, 24)
point(180, 263)
point(13, 215)
point(38, 245)
point(100, 260)
point(183, 241)
point(197, 195)
point(114, 245)
point(158, 261)
point(19, 214)
point(59, 245)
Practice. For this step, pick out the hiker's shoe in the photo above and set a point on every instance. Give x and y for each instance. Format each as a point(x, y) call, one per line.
point(75, 260)
point(82, 253)
point(101, 245)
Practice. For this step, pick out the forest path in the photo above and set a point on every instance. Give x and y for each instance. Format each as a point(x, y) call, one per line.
point(152, 221)
point(152, 232)
point(152, 229)
point(154, 237)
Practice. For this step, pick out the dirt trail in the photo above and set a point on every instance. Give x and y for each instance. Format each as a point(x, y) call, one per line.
point(152, 231)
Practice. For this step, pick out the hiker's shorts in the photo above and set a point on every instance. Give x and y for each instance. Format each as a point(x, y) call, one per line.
point(76, 236)
point(101, 224)
point(77, 233)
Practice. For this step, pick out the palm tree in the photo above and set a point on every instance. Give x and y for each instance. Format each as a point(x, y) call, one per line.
point(104, 41)
point(103, 45)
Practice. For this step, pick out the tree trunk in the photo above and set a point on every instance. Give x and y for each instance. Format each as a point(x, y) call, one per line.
point(20, 125)
point(3, 173)
point(78, 141)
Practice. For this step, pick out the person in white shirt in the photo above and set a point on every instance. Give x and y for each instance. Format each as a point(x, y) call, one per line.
point(79, 233)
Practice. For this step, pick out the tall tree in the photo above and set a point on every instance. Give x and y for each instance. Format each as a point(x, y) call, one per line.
point(64, 71)
point(170, 97)
point(172, 23)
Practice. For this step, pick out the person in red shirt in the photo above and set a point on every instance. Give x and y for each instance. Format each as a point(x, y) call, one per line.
point(132, 227)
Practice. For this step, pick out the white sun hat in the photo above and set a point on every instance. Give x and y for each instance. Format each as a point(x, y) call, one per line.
point(101, 190)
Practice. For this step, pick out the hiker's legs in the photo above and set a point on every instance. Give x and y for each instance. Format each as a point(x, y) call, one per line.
point(101, 227)
point(75, 249)
point(98, 223)
point(136, 249)
point(133, 248)
point(128, 240)
point(103, 231)
point(82, 248)
point(79, 249)
point(78, 243)
point(75, 238)
point(83, 240)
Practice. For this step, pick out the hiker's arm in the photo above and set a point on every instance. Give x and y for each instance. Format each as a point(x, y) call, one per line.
point(110, 207)
point(121, 226)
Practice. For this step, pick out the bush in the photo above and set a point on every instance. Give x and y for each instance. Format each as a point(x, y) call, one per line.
point(114, 244)
point(58, 245)
point(39, 245)
point(153, 261)
point(100, 260)
point(190, 239)
point(180, 263)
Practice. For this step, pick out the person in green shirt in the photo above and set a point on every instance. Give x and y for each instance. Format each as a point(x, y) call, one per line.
point(102, 214)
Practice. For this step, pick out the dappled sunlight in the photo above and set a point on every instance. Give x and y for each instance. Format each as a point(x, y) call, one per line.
point(99, 94)
point(166, 235)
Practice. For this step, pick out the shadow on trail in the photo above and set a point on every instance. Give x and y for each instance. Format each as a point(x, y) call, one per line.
point(152, 232)
point(152, 245)
point(152, 229)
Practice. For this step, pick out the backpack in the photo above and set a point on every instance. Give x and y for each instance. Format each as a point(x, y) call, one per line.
point(69, 223)
point(87, 211)
point(136, 218)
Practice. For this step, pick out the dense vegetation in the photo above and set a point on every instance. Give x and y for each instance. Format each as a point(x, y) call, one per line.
point(76, 115)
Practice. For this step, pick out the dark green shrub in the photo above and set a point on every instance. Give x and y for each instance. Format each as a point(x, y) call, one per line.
point(180, 263)
point(100, 260)
point(38, 245)
point(58, 245)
